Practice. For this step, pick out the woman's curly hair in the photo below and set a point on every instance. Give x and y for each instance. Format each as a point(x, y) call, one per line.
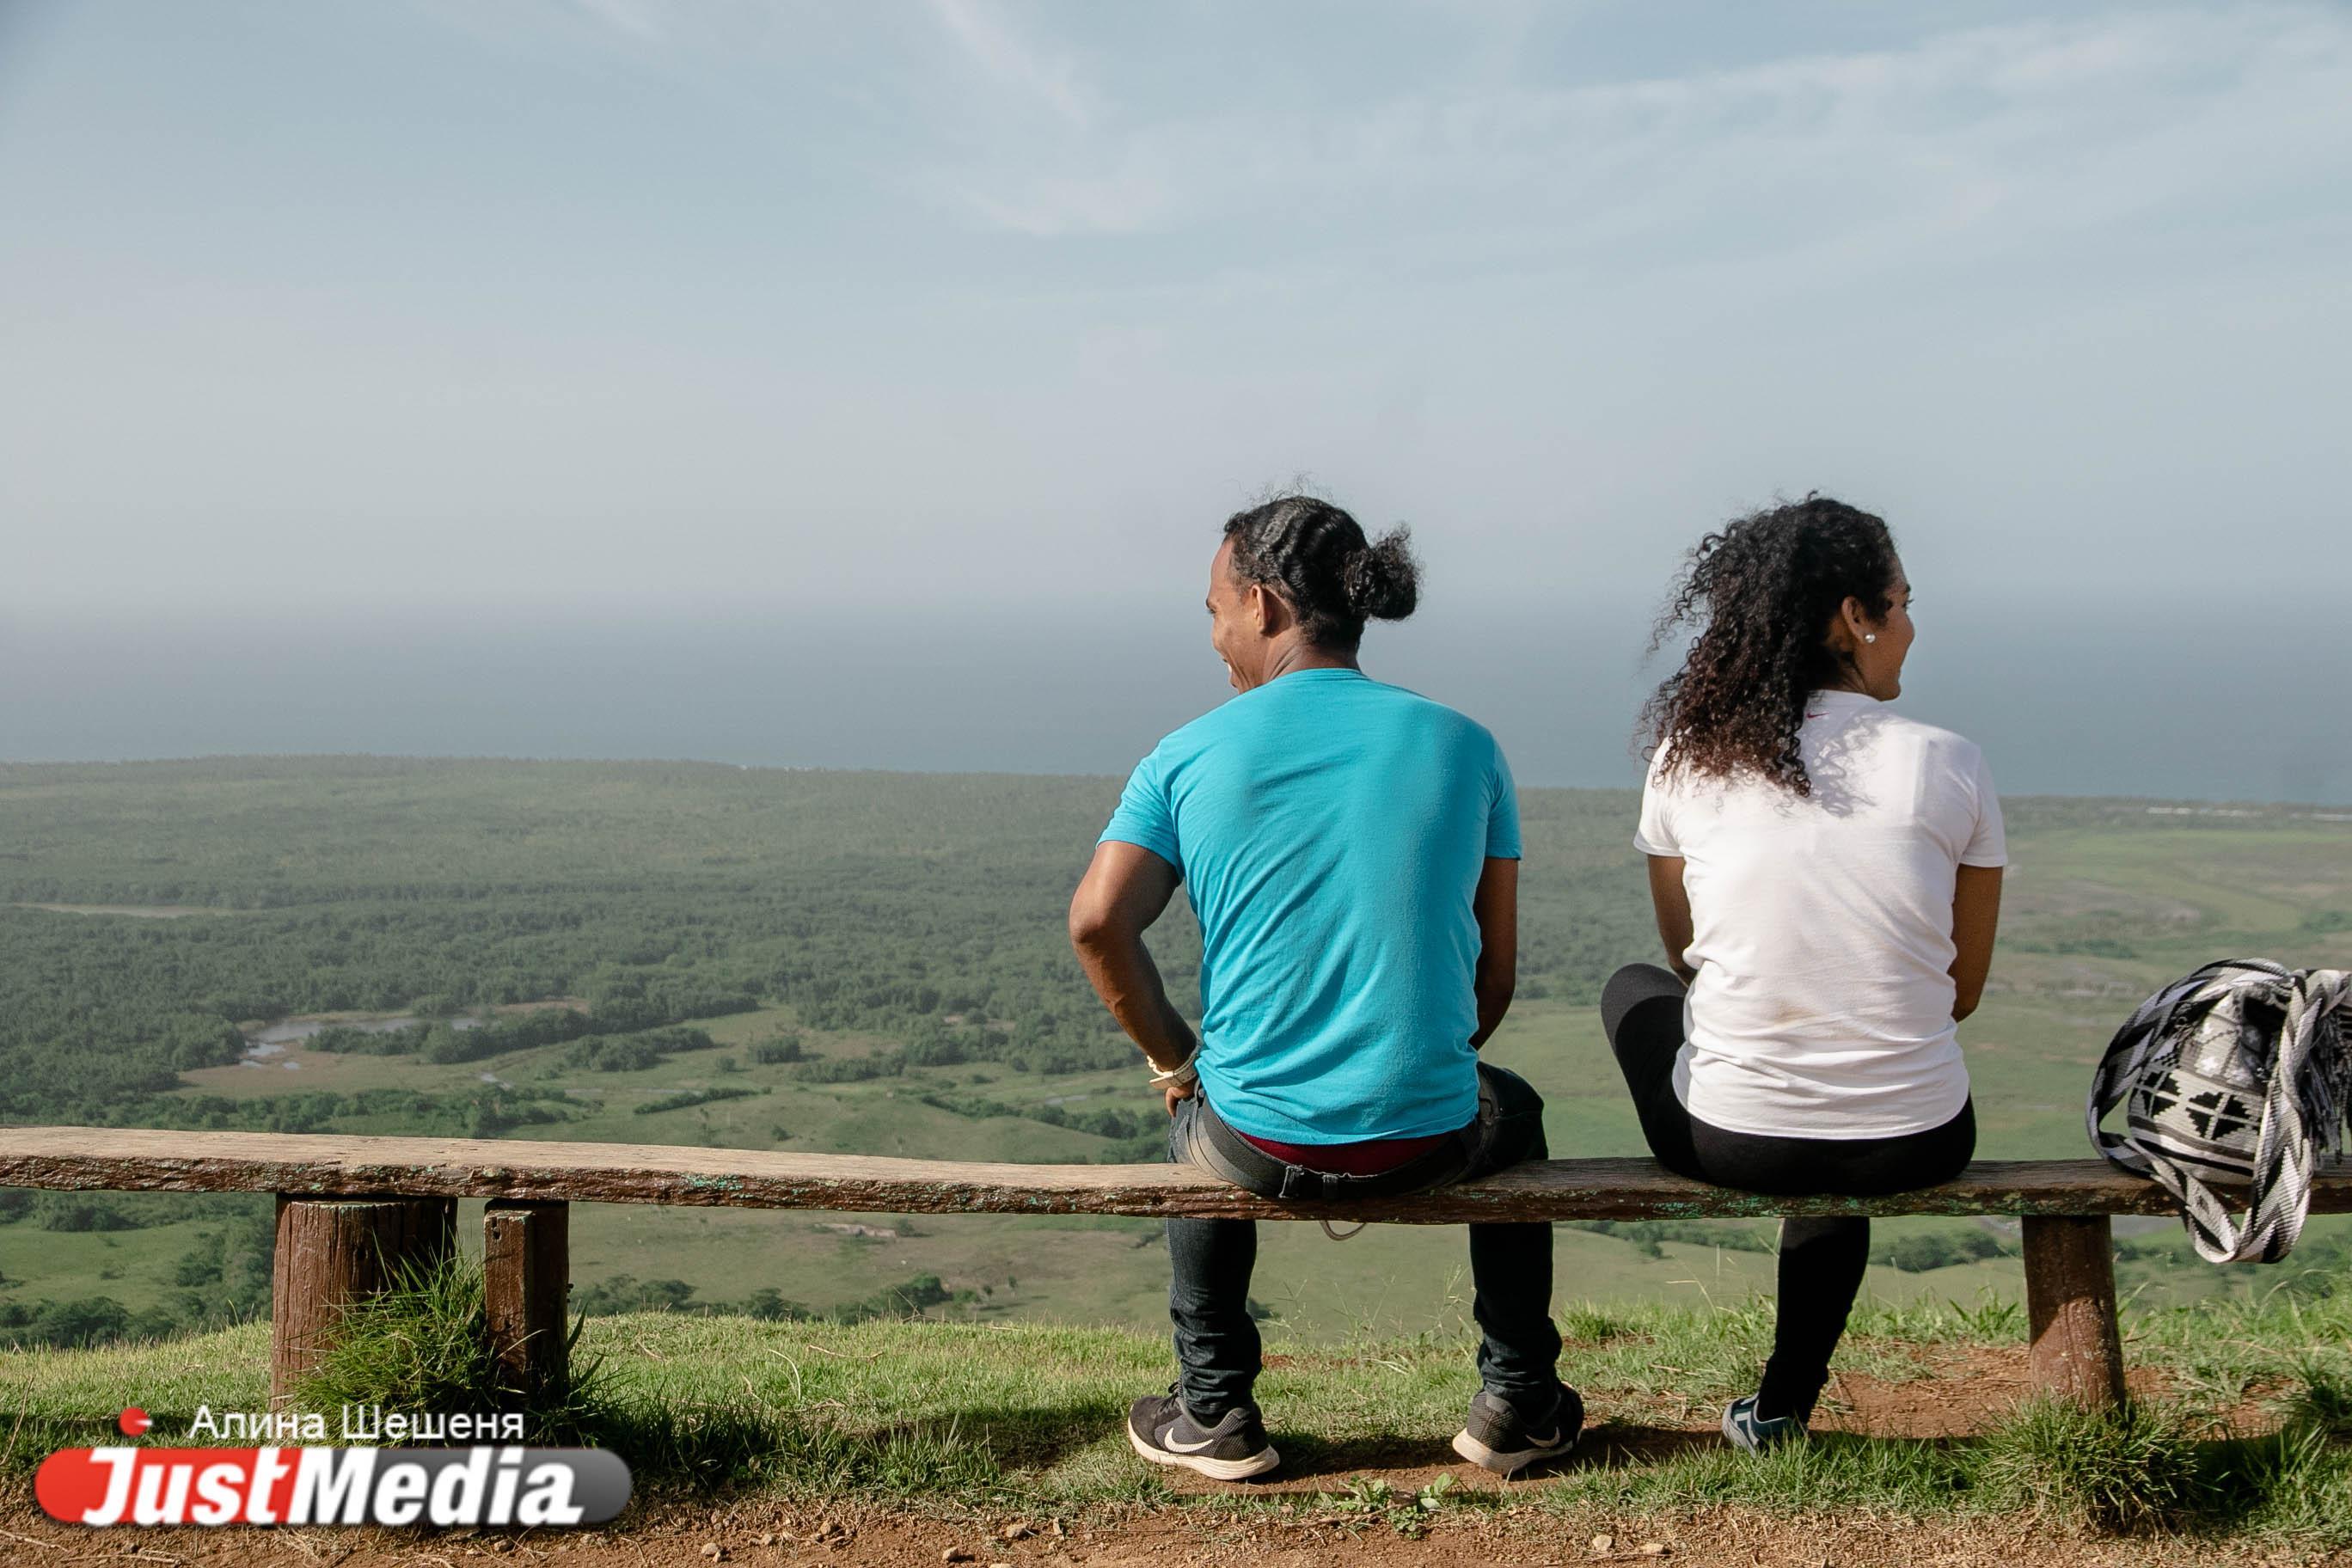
point(1762, 590)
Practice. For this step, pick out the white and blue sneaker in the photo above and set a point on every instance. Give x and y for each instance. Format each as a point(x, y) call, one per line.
point(1756, 1433)
point(1161, 1430)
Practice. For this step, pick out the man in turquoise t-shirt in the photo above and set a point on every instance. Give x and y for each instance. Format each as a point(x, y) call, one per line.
point(1351, 851)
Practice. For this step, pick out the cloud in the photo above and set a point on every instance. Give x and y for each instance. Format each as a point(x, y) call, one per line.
point(2066, 123)
point(640, 19)
point(1010, 60)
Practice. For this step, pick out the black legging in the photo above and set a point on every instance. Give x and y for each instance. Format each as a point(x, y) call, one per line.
point(1821, 1261)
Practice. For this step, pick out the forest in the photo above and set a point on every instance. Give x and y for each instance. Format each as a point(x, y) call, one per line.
point(926, 907)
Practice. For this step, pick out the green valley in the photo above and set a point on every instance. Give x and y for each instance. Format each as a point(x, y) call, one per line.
point(866, 963)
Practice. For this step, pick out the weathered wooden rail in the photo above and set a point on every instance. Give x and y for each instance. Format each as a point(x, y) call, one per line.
point(350, 1210)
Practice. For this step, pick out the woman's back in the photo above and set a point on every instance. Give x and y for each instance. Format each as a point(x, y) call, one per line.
point(1821, 924)
point(1807, 849)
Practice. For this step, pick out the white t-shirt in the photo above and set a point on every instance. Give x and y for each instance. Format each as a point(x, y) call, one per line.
point(1821, 926)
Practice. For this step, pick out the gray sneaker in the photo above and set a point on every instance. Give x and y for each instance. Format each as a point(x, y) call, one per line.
point(1497, 1438)
point(1754, 1433)
point(1161, 1430)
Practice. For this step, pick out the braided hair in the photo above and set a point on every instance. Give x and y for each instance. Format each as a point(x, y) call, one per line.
point(1760, 590)
point(1318, 558)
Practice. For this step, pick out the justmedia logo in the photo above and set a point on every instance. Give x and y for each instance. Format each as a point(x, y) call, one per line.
point(486, 1485)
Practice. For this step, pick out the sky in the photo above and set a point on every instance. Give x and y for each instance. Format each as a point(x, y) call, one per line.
point(916, 317)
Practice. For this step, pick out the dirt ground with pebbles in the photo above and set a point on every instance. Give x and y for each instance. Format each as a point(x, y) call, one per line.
point(768, 1536)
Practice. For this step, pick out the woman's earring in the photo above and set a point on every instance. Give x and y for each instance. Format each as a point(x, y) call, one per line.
point(1870, 637)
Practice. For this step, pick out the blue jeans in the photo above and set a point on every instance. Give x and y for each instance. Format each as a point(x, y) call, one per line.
point(1217, 1347)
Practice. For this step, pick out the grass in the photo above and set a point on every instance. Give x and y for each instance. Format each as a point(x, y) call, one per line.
point(2126, 1470)
point(961, 1419)
point(426, 1344)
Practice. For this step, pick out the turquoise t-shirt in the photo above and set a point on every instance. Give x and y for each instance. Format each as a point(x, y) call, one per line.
point(1331, 831)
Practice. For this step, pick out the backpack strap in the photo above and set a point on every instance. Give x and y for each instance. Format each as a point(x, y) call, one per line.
point(2300, 1115)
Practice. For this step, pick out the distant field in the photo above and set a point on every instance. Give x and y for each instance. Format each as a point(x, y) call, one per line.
point(909, 928)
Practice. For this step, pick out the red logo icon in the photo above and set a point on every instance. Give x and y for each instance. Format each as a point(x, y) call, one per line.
point(134, 1423)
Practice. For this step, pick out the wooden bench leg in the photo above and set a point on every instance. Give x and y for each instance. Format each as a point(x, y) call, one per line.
point(332, 1252)
point(2070, 1301)
point(526, 1276)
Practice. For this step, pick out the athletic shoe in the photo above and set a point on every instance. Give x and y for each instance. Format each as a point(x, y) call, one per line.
point(1497, 1438)
point(1159, 1429)
point(1755, 1432)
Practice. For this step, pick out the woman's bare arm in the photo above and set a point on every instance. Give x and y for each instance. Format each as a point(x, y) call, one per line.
point(1976, 915)
point(1673, 905)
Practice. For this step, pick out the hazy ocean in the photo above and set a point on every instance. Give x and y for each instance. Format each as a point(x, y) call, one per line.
point(2196, 700)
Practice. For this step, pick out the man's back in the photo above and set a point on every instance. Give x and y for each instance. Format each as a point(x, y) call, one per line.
point(1331, 831)
point(1351, 851)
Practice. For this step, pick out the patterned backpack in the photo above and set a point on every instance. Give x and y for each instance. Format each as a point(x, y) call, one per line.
point(2239, 1077)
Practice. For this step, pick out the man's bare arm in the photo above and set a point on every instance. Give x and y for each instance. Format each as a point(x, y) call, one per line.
point(1123, 891)
point(1497, 905)
point(1674, 911)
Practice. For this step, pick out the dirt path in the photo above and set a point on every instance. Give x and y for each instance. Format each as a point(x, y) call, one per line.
point(770, 1536)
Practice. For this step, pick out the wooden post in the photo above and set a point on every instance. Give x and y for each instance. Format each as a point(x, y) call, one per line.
point(2070, 1300)
point(332, 1252)
point(526, 1276)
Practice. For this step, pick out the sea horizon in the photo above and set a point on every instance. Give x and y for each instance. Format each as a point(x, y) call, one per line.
point(2193, 702)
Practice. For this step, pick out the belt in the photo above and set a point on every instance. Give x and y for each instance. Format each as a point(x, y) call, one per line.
point(1252, 1167)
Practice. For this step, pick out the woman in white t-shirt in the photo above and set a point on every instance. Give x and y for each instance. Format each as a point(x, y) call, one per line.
point(1827, 877)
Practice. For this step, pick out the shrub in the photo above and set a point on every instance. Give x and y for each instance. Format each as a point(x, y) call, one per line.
point(70, 1212)
point(686, 1098)
point(910, 1299)
point(425, 1345)
point(626, 1293)
point(2323, 1403)
point(2125, 1469)
point(851, 1069)
point(635, 1053)
point(1647, 1235)
point(65, 1325)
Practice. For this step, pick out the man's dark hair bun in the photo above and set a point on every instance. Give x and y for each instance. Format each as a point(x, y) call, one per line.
point(1318, 558)
point(1384, 580)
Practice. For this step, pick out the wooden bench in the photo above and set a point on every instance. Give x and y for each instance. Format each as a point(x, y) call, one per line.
point(350, 1210)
